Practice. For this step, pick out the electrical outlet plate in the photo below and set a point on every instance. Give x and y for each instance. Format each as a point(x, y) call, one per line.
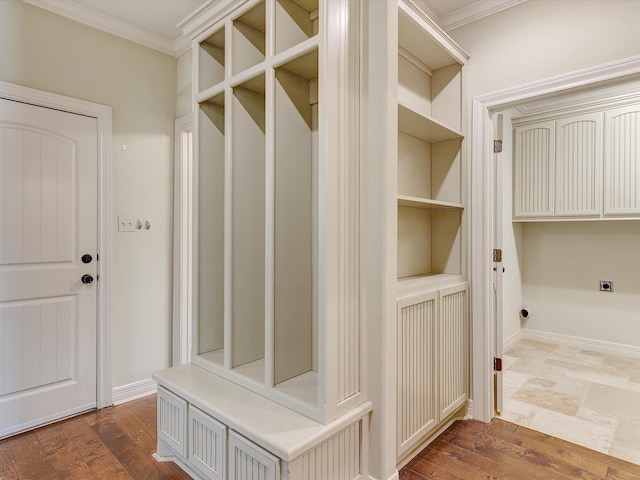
point(126, 224)
point(606, 286)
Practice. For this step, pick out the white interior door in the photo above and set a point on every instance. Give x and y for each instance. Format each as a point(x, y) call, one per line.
point(48, 221)
point(498, 266)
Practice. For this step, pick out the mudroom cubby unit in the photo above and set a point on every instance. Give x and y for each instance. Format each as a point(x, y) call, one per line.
point(277, 242)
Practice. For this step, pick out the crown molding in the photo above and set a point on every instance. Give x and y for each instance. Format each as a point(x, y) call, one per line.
point(474, 12)
point(100, 21)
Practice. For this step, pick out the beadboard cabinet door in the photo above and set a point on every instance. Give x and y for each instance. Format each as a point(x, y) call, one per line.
point(579, 166)
point(534, 176)
point(622, 161)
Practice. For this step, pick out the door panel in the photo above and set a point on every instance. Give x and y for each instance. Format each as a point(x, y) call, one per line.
point(48, 220)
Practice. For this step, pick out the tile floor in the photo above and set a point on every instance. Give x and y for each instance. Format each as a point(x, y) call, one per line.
point(588, 398)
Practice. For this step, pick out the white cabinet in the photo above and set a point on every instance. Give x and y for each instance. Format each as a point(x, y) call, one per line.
point(247, 461)
point(622, 161)
point(172, 421)
point(207, 445)
point(534, 175)
point(583, 166)
point(433, 363)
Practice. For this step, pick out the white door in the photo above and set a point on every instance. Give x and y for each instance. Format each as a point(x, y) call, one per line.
point(48, 221)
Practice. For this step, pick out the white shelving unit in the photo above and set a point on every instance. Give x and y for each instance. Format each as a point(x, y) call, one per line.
point(432, 316)
point(276, 290)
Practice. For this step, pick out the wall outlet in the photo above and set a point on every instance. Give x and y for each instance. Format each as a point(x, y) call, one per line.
point(126, 224)
point(606, 286)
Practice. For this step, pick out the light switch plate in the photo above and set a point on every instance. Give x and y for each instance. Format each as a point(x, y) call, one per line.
point(126, 224)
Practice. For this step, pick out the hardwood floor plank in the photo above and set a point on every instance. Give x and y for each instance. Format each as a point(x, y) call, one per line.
point(8, 469)
point(30, 459)
point(107, 467)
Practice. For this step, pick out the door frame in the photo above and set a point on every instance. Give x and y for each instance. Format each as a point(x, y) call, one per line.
point(483, 204)
point(182, 240)
point(102, 113)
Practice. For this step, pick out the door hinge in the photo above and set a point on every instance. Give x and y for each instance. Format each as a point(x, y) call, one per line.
point(497, 364)
point(497, 146)
point(497, 255)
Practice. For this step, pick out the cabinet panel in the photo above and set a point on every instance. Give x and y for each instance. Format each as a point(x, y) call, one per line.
point(453, 349)
point(578, 165)
point(172, 421)
point(247, 461)
point(534, 164)
point(416, 408)
point(207, 445)
point(622, 161)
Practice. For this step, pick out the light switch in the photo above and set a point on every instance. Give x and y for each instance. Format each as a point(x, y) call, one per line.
point(126, 224)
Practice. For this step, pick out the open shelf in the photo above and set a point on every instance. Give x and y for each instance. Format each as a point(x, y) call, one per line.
point(249, 37)
point(296, 152)
point(215, 357)
point(420, 125)
point(248, 222)
point(210, 220)
point(296, 21)
point(252, 370)
point(303, 388)
point(416, 202)
point(211, 61)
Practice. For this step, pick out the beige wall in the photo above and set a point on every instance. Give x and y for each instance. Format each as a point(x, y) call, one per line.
point(45, 51)
point(183, 102)
point(562, 263)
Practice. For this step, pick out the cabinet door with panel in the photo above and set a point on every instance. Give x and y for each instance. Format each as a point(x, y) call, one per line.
point(534, 158)
point(622, 161)
point(453, 349)
point(579, 166)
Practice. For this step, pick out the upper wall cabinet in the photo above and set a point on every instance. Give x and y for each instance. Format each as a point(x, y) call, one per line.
point(622, 166)
point(584, 166)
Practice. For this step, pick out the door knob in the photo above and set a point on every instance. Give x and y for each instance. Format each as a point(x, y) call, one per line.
point(87, 279)
point(86, 258)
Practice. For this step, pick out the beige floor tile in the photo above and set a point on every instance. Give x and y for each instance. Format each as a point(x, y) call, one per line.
point(575, 430)
point(619, 361)
point(593, 416)
point(512, 382)
point(576, 356)
point(625, 453)
point(540, 392)
point(622, 403)
point(518, 412)
point(605, 375)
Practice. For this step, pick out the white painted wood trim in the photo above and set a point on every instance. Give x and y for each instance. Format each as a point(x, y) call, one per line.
point(395, 476)
point(591, 344)
point(483, 204)
point(133, 391)
point(512, 339)
point(88, 16)
point(474, 12)
point(182, 241)
point(102, 113)
point(33, 424)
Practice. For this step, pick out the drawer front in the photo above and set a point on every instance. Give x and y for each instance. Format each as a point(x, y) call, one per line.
point(172, 421)
point(247, 461)
point(207, 444)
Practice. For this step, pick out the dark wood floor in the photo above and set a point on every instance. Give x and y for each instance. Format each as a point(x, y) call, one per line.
point(117, 443)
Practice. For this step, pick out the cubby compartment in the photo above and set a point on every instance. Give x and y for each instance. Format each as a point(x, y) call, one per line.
point(296, 21)
point(211, 230)
point(429, 171)
point(248, 229)
point(296, 156)
point(211, 61)
point(429, 241)
point(429, 77)
point(249, 35)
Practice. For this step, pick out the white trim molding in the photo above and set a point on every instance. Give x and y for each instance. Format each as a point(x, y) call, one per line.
point(475, 12)
point(182, 239)
point(582, 343)
point(133, 391)
point(621, 71)
point(102, 113)
point(98, 20)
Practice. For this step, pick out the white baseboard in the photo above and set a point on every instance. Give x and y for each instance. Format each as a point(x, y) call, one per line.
point(133, 391)
point(582, 343)
point(395, 476)
point(511, 340)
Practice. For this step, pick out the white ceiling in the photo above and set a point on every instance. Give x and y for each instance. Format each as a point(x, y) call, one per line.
point(153, 22)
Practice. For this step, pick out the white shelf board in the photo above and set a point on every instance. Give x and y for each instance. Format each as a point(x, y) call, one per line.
point(252, 370)
point(214, 356)
point(417, 202)
point(408, 286)
point(421, 125)
point(303, 388)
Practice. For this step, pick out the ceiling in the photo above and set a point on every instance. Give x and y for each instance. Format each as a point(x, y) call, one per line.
point(153, 22)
